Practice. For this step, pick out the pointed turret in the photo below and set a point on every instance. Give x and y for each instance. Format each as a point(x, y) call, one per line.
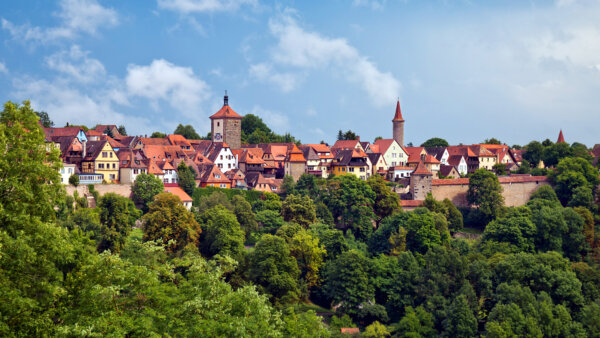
point(398, 122)
point(561, 138)
point(398, 115)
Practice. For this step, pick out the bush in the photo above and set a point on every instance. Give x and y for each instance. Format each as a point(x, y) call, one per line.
point(74, 180)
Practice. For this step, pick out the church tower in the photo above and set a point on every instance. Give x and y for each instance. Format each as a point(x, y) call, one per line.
point(398, 122)
point(226, 126)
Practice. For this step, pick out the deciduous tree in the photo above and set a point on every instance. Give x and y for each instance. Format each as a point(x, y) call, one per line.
point(145, 187)
point(485, 193)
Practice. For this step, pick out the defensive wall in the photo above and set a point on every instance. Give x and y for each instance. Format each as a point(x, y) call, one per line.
point(516, 190)
point(119, 189)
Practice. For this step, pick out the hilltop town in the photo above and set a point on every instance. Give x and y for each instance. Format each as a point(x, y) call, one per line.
point(104, 155)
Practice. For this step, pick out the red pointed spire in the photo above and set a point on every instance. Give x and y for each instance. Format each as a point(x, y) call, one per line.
point(398, 116)
point(561, 138)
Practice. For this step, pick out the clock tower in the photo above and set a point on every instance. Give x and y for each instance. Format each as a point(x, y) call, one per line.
point(226, 126)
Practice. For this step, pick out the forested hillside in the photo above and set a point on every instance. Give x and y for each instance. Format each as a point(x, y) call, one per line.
point(325, 254)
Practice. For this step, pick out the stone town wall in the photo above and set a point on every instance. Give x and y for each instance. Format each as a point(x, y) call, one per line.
point(119, 189)
point(516, 190)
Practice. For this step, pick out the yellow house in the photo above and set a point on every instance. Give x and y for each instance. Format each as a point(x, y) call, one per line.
point(351, 161)
point(100, 158)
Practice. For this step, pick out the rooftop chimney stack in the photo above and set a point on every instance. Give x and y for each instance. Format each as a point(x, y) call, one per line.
point(226, 99)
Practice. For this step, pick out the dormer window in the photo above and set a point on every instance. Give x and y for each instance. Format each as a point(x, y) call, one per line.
point(217, 176)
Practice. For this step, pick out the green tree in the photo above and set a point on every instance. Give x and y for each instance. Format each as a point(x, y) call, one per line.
point(203, 203)
point(108, 132)
point(332, 239)
point(454, 216)
point(186, 178)
point(272, 267)
point(533, 153)
point(243, 212)
point(416, 323)
point(556, 152)
point(306, 249)
point(485, 192)
point(582, 197)
point(515, 228)
point(252, 123)
point(571, 173)
point(299, 210)
point(492, 140)
point(222, 234)
point(545, 192)
point(307, 186)
point(44, 119)
point(145, 187)
point(460, 322)
point(186, 131)
point(435, 142)
point(158, 134)
point(386, 201)
point(122, 130)
point(287, 185)
point(350, 200)
point(170, 222)
point(346, 281)
point(500, 169)
point(376, 329)
point(117, 216)
point(305, 324)
point(29, 169)
point(74, 180)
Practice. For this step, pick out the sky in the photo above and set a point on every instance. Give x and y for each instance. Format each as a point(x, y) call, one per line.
point(463, 70)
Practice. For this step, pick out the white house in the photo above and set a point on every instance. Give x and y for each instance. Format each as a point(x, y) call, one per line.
point(65, 172)
point(393, 154)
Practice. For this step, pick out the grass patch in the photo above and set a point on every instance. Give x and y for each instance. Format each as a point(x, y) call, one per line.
point(136, 234)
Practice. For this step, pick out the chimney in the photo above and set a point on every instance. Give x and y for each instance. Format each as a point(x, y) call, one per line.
point(84, 149)
point(226, 99)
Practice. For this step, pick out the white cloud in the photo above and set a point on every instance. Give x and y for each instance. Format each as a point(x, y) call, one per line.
point(163, 80)
point(263, 72)
point(3, 68)
point(76, 64)
point(76, 16)
point(275, 120)
point(303, 50)
point(202, 6)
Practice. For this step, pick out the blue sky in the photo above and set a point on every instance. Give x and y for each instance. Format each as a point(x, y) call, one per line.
point(463, 70)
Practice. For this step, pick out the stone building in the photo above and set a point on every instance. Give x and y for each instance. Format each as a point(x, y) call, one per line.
point(295, 163)
point(398, 122)
point(420, 182)
point(226, 126)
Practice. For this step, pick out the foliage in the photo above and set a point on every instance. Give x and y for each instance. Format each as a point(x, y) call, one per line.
point(348, 135)
point(145, 187)
point(299, 210)
point(515, 228)
point(186, 178)
point(206, 202)
point(272, 267)
point(186, 131)
point(386, 201)
point(158, 134)
point(243, 212)
point(171, 223)
point(346, 281)
point(350, 199)
point(500, 169)
point(74, 180)
point(435, 142)
point(254, 130)
point(221, 234)
point(307, 251)
point(332, 239)
point(533, 153)
point(44, 119)
point(376, 329)
point(122, 130)
point(460, 321)
point(25, 179)
point(485, 193)
point(117, 215)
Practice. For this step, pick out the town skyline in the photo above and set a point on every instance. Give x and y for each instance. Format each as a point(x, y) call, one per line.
point(530, 68)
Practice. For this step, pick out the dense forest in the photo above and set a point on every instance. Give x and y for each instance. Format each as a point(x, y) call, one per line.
point(325, 254)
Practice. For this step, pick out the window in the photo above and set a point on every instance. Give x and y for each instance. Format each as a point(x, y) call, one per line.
point(70, 170)
point(104, 154)
point(221, 156)
point(362, 170)
point(217, 176)
point(62, 171)
point(229, 165)
point(112, 176)
point(218, 124)
point(100, 165)
point(111, 155)
point(114, 166)
point(223, 185)
point(393, 155)
point(220, 165)
point(351, 169)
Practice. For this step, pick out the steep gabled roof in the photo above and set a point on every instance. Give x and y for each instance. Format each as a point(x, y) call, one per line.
point(93, 149)
point(431, 159)
point(454, 160)
point(295, 155)
point(309, 153)
point(422, 170)
point(154, 169)
point(345, 144)
point(66, 131)
point(320, 148)
point(437, 152)
point(383, 145)
point(446, 170)
point(178, 140)
point(212, 174)
point(146, 141)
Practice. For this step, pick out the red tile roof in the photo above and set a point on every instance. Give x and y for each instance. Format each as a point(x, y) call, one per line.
point(411, 203)
point(226, 112)
point(178, 140)
point(345, 144)
point(398, 115)
point(383, 144)
point(561, 138)
point(431, 159)
point(177, 191)
point(422, 170)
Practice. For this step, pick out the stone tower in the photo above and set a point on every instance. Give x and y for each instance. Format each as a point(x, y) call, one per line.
point(398, 122)
point(420, 182)
point(226, 126)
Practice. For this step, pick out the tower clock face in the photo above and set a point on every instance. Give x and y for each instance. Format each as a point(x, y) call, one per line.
point(218, 137)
